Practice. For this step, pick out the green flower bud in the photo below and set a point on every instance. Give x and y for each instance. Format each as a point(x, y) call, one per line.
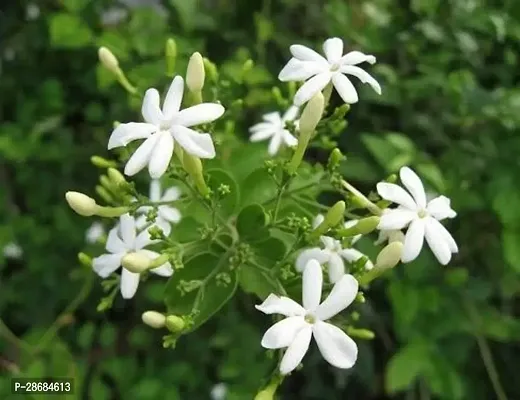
point(108, 60)
point(104, 194)
point(363, 226)
point(361, 333)
point(312, 114)
point(211, 70)
point(335, 159)
point(268, 392)
point(154, 319)
point(136, 262)
point(193, 166)
point(175, 324)
point(248, 66)
point(332, 218)
point(390, 256)
point(171, 56)
point(101, 162)
point(85, 260)
point(116, 177)
point(81, 203)
point(195, 74)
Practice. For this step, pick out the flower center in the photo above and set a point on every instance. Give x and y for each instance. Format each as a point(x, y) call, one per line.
point(422, 213)
point(310, 318)
point(334, 67)
point(165, 125)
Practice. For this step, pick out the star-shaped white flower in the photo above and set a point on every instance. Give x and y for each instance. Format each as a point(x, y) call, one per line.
point(295, 331)
point(164, 128)
point(12, 250)
point(421, 217)
point(273, 127)
point(306, 63)
point(124, 239)
point(333, 253)
point(166, 214)
point(94, 233)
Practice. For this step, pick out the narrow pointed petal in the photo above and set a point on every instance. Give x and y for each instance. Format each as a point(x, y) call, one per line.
point(282, 333)
point(164, 224)
point(291, 114)
point(150, 109)
point(262, 135)
point(127, 229)
point(173, 100)
point(262, 126)
point(414, 185)
point(129, 283)
point(161, 155)
point(351, 255)
point(341, 296)
point(311, 285)
point(363, 76)
point(296, 351)
point(336, 268)
point(345, 88)
point(311, 87)
point(273, 118)
point(396, 219)
point(356, 57)
point(169, 214)
point(281, 305)
point(171, 194)
point(335, 345)
point(114, 243)
point(437, 241)
point(126, 133)
point(445, 234)
point(155, 190)
point(396, 194)
point(305, 256)
point(333, 49)
point(199, 114)
point(143, 240)
point(440, 208)
point(197, 144)
point(106, 264)
point(304, 53)
point(140, 222)
point(328, 242)
point(413, 240)
point(289, 139)
point(274, 144)
point(141, 157)
point(294, 70)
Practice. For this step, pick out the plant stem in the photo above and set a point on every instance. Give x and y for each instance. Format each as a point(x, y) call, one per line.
point(373, 208)
point(11, 337)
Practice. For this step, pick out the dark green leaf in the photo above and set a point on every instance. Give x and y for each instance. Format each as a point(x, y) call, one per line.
point(219, 177)
point(269, 251)
point(252, 221)
point(69, 31)
point(258, 187)
point(187, 230)
point(253, 280)
point(405, 366)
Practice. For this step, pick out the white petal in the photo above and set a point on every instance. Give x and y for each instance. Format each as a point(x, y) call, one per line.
point(282, 333)
point(295, 70)
point(126, 133)
point(150, 109)
point(105, 264)
point(335, 345)
point(171, 194)
point(140, 222)
point(161, 155)
point(169, 213)
point(317, 221)
point(155, 190)
point(312, 282)
point(129, 283)
point(280, 305)
point(296, 351)
point(336, 268)
point(304, 53)
point(141, 157)
point(143, 240)
point(356, 57)
point(446, 235)
point(413, 240)
point(396, 194)
point(341, 296)
point(274, 144)
point(164, 270)
point(440, 208)
point(414, 185)
point(314, 253)
point(127, 229)
point(289, 139)
point(351, 255)
point(328, 242)
point(164, 225)
point(333, 49)
point(351, 223)
point(114, 243)
point(273, 118)
point(263, 126)
point(199, 114)
point(173, 100)
point(197, 144)
point(395, 219)
point(362, 75)
point(291, 114)
point(345, 88)
point(437, 241)
point(311, 87)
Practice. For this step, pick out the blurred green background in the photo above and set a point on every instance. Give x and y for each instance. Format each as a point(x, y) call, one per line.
point(450, 109)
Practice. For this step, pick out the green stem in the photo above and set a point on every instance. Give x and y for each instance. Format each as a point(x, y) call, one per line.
point(303, 142)
point(373, 208)
point(123, 80)
point(11, 337)
point(326, 95)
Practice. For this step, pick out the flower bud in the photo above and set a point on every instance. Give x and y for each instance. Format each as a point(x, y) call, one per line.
point(390, 256)
point(174, 323)
point(154, 319)
point(81, 203)
point(211, 70)
point(85, 260)
point(363, 226)
point(335, 214)
point(116, 177)
point(193, 167)
point(136, 262)
point(195, 74)
point(108, 59)
point(361, 333)
point(104, 194)
point(312, 114)
point(101, 162)
point(248, 66)
point(171, 56)
point(335, 159)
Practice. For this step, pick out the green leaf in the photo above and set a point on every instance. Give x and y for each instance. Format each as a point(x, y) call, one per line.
point(392, 151)
point(69, 31)
point(405, 366)
point(254, 280)
point(147, 30)
point(433, 174)
point(258, 187)
point(187, 11)
point(269, 251)
point(252, 222)
point(203, 286)
point(75, 5)
point(187, 230)
point(219, 177)
point(442, 377)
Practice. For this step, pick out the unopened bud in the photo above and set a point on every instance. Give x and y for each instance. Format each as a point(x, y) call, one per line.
point(154, 319)
point(101, 162)
point(81, 203)
point(108, 59)
point(211, 70)
point(193, 166)
point(116, 177)
point(175, 323)
point(312, 114)
point(104, 194)
point(268, 392)
point(248, 66)
point(136, 262)
point(335, 214)
point(195, 74)
point(362, 226)
point(335, 158)
point(85, 260)
point(390, 256)
point(171, 56)
point(361, 333)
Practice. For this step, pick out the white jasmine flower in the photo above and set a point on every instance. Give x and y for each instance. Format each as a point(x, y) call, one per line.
point(12, 250)
point(333, 254)
point(95, 232)
point(164, 128)
point(318, 71)
point(421, 217)
point(295, 331)
point(273, 127)
point(166, 214)
point(124, 239)
point(219, 391)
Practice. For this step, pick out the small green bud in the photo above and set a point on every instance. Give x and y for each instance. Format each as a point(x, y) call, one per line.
point(154, 319)
point(85, 260)
point(195, 74)
point(116, 177)
point(361, 333)
point(390, 256)
point(81, 203)
point(391, 179)
point(332, 218)
point(108, 60)
point(171, 56)
point(101, 162)
point(104, 194)
point(268, 392)
point(136, 262)
point(312, 114)
point(363, 226)
point(193, 166)
point(277, 94)
point(211, 70)
point(248, 66)
point(335, 158)
point(175, 323)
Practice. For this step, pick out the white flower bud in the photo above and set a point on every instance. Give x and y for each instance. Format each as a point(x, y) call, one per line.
point(312, 114)
point(390, 256)
point(108, 59)
point(195, 74)
point(81, 203)
point(136, 262)
point(154, 319)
